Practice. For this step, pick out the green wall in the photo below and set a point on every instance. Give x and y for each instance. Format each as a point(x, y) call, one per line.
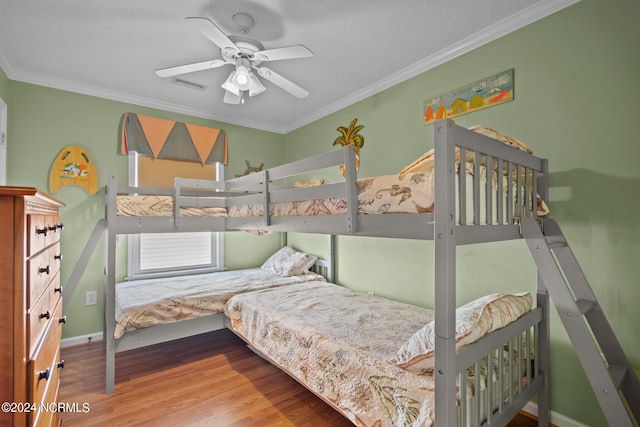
point(41, 121)
point(576, 103)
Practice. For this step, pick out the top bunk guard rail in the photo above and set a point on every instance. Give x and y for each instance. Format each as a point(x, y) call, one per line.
point(121, 224)
point(483, 209)
point(199, 193)
point(505, 183)
point(269, 193)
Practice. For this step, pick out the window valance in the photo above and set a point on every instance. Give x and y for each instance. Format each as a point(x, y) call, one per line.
point(167, 139)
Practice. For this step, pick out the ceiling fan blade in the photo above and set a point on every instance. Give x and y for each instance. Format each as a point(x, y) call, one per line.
point(289, 52)
point(280, 81)
point(212, 32)
point(231, 98)
point(190, 68)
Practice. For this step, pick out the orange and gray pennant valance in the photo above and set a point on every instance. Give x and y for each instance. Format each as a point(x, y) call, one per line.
point(167, 139)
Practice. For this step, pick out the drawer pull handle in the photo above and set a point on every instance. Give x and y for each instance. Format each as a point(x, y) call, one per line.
point(44, 269)
point(44, 375)
point(59, 256)
point(61, 364)
point(58, 289)
point(42, 231)
point(45, 315)
point(63, 319)
point(56, 227)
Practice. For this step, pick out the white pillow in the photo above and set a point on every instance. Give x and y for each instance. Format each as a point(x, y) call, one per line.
point(473, 321)
point(289, 262)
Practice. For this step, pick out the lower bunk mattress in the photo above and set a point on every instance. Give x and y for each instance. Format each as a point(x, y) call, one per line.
point(348, 348)
point(150, 302)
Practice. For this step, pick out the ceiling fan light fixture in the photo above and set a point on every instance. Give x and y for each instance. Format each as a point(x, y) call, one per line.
point(229, 86)
point(256, 85)
point(242, 79)
point(231, 98)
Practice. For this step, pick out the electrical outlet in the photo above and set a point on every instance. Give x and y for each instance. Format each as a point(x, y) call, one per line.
point(91, 298)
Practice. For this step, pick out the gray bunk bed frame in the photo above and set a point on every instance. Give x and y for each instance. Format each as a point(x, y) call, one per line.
point(447, 227)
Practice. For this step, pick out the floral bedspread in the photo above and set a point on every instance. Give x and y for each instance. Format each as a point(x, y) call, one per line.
point(406, 193)
point(339, 343)
point(150, 302)
point(160, 205)
point(336, 341)
point(412, 193)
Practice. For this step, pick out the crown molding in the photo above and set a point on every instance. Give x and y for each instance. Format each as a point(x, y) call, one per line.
point(514, 22)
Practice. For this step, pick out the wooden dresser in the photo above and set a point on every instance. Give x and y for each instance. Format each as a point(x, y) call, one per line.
point(30, 307)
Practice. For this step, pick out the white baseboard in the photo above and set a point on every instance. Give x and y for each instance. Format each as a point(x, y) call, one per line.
point(556, 418)
point(81, 339)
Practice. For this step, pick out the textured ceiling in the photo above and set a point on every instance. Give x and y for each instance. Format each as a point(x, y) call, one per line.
point(112, 48)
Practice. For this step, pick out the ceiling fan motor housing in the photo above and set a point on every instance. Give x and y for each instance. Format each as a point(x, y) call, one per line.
point(243, 22)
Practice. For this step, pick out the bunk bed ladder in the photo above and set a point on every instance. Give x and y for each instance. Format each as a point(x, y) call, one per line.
point(603, 359)
point(90, 247)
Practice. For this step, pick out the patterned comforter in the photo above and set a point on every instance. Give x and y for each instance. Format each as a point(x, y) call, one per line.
point(150, 302)
point(407, 193)
point(338, 343)
point(412, 193)
point(159, 205)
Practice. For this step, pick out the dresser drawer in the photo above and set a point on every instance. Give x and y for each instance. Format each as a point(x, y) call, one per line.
point(43, 230)
point(46, 413)
point(46, 392)
point(48, 309)
point(42, 269)
point(43, 366)
point(40, 316)
point(55, 227)
point(37, 233)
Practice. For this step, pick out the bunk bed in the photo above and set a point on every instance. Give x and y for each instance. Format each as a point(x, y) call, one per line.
point(461, 212)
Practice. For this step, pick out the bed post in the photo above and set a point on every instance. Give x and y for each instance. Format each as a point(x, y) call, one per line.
point(445, 273)
point(351, 191)
point(110, 283)
point(543, 347)
point(331, 274)
point(542, 355)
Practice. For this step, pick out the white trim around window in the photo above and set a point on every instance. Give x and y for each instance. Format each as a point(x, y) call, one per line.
point(172, 254)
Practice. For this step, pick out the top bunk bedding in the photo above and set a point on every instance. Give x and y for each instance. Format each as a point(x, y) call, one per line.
point(411, 193)
point(500, 185)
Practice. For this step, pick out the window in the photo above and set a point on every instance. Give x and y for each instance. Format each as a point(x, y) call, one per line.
point(170, 254)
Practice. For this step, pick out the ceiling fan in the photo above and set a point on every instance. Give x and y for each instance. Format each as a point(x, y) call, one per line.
point(245, 54)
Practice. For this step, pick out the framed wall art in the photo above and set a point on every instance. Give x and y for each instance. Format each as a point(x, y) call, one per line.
point(484, 93)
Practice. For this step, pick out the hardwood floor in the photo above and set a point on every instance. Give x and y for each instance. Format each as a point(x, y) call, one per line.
point(207, 380)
